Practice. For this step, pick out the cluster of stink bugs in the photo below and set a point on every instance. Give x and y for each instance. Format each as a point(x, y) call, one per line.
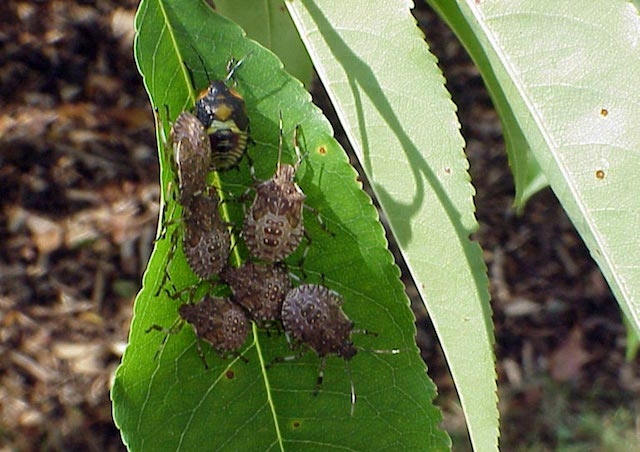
point(215, 136)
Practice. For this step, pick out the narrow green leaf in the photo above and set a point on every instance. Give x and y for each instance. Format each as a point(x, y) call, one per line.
point(173, 403)
point(527, 176)
point(569, 71)
point(633, 341)
point(391, 100)
point(269, 23)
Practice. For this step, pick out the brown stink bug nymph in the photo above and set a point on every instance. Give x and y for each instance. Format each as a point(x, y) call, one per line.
point(191, 155)
point(205, 238)
point(273, 227)
point(190, 160)
point(313, 315)
point(260, 289)
point(206, 241)
point(217, 321)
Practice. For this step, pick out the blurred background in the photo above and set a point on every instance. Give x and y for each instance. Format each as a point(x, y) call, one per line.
point(79, 201)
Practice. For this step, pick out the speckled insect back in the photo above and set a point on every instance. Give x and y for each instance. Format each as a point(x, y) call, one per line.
point(312, 314)
point(217, 321)
point(206, 240)
point(223, 113)
point(273, 227)
point(260, 289)
point(191, 154)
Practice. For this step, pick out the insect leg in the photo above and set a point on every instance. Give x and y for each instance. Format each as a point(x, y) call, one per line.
point(284, 359)
point(201, 353)
point(323, 361)
point(166, 276)
point(175, 328)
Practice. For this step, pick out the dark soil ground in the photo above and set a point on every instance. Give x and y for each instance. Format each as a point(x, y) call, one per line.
point(78, 211)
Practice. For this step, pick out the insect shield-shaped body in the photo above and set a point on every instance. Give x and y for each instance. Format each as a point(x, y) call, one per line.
point(273, 227)
point(223, 113)
point(217, 321)
point(191, 154)
point(260, 289)
point(312, 315)
point(205, 240)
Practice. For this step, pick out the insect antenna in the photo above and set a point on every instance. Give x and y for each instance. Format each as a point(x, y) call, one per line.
point(204, 66)
point(234, 64)
point(392, 351)
point(280, 143)
point(232, 67)
point(377, 351)
point(296, 146)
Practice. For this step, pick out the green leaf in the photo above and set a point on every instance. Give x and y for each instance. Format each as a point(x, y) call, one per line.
point(268, 22)
point(174, 403)
point(632, 341)
point(391, 100)
point(527, 176)
point(569, 71)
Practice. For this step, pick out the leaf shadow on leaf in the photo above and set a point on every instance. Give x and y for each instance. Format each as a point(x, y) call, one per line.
point(360, 76)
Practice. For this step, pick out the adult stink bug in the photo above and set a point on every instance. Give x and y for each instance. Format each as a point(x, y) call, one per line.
point(223, 113)
point(260, 289)
point(217, 321)
point(313, 315)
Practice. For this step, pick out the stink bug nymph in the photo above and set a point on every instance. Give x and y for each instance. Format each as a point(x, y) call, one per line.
point(273, 227)
point(217, 321)
point(205, 237)
point(312, 315)
point(206, 240)
point(191, 155)
point(223, 113)
point(260, 289)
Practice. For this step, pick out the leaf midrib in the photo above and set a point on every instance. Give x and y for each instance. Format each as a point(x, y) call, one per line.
point(226, 217)
point(267, 386)
point(172, 35)
point(552, 146)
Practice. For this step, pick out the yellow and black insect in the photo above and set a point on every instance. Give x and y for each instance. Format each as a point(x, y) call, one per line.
point(223, 113)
